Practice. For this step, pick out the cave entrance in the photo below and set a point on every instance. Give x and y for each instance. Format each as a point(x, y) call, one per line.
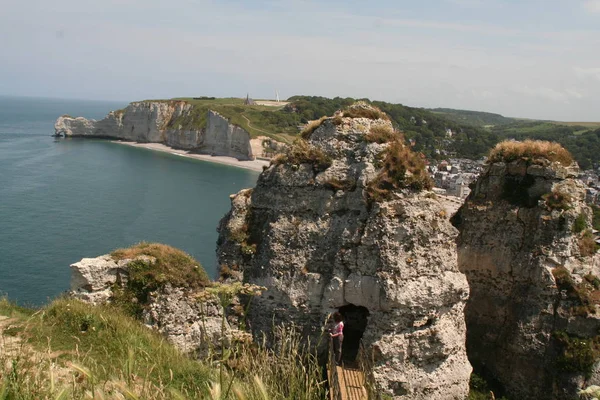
point(355, 323)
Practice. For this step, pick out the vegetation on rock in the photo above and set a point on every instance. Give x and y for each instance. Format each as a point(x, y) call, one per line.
point(154, 265)
point(311, 127)
point(302, 152)
point(401, 168)
point(584, 295)
point(576, 354)
point(531, 151)
point(362, 109)
point(381, 134)
point(557, 200)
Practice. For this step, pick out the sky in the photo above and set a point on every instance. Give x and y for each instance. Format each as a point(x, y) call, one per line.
point(528, 58)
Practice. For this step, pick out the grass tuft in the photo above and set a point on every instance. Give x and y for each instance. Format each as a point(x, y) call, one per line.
point(302, 152)
point(311, 127)
point(381, 134)
point(531, 151)
point(402, 168)
point(362, 109)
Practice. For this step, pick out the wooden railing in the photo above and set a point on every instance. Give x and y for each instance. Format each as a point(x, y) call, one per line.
point(334, 380)
point(365, 364)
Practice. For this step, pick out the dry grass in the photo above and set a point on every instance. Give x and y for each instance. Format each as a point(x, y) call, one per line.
point(381, 134)
point(402, 168)
point(531, 151)
point(303, 152)
point(557, 200)
point(365, 110)
point(311, 127)
point(587, 244)
point(338, 184)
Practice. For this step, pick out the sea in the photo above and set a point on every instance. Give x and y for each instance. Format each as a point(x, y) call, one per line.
point(65, 199)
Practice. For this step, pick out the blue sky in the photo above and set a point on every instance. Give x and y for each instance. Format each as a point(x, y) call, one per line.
point(529, 58)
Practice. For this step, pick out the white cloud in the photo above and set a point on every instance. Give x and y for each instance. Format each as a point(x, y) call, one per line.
point(547, 93)
point(592, 6)
point(587, 72)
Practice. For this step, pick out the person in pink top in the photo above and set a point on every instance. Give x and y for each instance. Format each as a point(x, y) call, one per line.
point(337, 333)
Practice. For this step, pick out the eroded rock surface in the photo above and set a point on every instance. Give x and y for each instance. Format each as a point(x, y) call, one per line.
point(309, 233)
point(158, 122)
point(524, 246)
point(186, 318)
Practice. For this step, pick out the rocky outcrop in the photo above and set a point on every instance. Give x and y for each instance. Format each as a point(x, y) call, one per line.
point(190, 319)
point(525, 245)
point(326, 229)
point(173, 123)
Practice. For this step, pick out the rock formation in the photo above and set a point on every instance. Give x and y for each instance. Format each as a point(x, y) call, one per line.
point(340, 222)
point(173, 123)
point(186, 316)
point(525, 245)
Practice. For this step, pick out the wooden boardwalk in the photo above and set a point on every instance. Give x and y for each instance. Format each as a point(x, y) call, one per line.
point(351, 383)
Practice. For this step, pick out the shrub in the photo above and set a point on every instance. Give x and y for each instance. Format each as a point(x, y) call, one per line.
point(301, 152)
point(401, 168)
point(585, 295)
point(381, 134)
point(311, 127)
point(592, 280)
point(576, 354)
point(557, 200)
point(531, 151)
point(587, 244)
point(579, 224)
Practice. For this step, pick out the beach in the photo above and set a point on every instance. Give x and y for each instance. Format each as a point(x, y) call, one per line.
point(254, 165)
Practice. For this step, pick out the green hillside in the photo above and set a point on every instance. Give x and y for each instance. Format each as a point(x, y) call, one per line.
point(473, 133)
point(476, 118)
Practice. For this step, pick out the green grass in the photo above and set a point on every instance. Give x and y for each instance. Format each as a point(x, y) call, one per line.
point(171, 266)
point(258, 121)
point(75, 350)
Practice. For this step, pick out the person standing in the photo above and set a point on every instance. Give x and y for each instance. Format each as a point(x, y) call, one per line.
point(337, 334)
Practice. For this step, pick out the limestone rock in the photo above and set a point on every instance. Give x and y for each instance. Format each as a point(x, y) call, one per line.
point(193, 324)
point(309, 233)
point(157, 122)
point(520, 229)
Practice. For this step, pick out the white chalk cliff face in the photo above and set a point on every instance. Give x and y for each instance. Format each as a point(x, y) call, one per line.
point(308, 234)
point(156, 122)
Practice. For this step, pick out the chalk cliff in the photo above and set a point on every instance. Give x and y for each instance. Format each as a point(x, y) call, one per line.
point(186, 316)
point(166, 122)
point(340, 222)
point(526, 247)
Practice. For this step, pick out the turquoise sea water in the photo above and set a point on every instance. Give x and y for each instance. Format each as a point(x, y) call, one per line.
point(65, 199)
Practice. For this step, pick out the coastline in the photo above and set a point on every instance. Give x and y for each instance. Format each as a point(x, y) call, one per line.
point(254, 165)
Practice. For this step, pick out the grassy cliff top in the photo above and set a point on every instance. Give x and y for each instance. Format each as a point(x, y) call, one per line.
point(530, 150)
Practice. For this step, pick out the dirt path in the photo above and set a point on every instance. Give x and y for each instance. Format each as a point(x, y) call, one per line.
point(256, 129)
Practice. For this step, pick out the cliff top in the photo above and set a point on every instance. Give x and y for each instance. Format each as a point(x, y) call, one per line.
point(361, 134)
point(532, 151)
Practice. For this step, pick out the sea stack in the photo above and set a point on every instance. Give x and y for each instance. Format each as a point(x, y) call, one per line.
point(526, 246)
point(345, 221)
